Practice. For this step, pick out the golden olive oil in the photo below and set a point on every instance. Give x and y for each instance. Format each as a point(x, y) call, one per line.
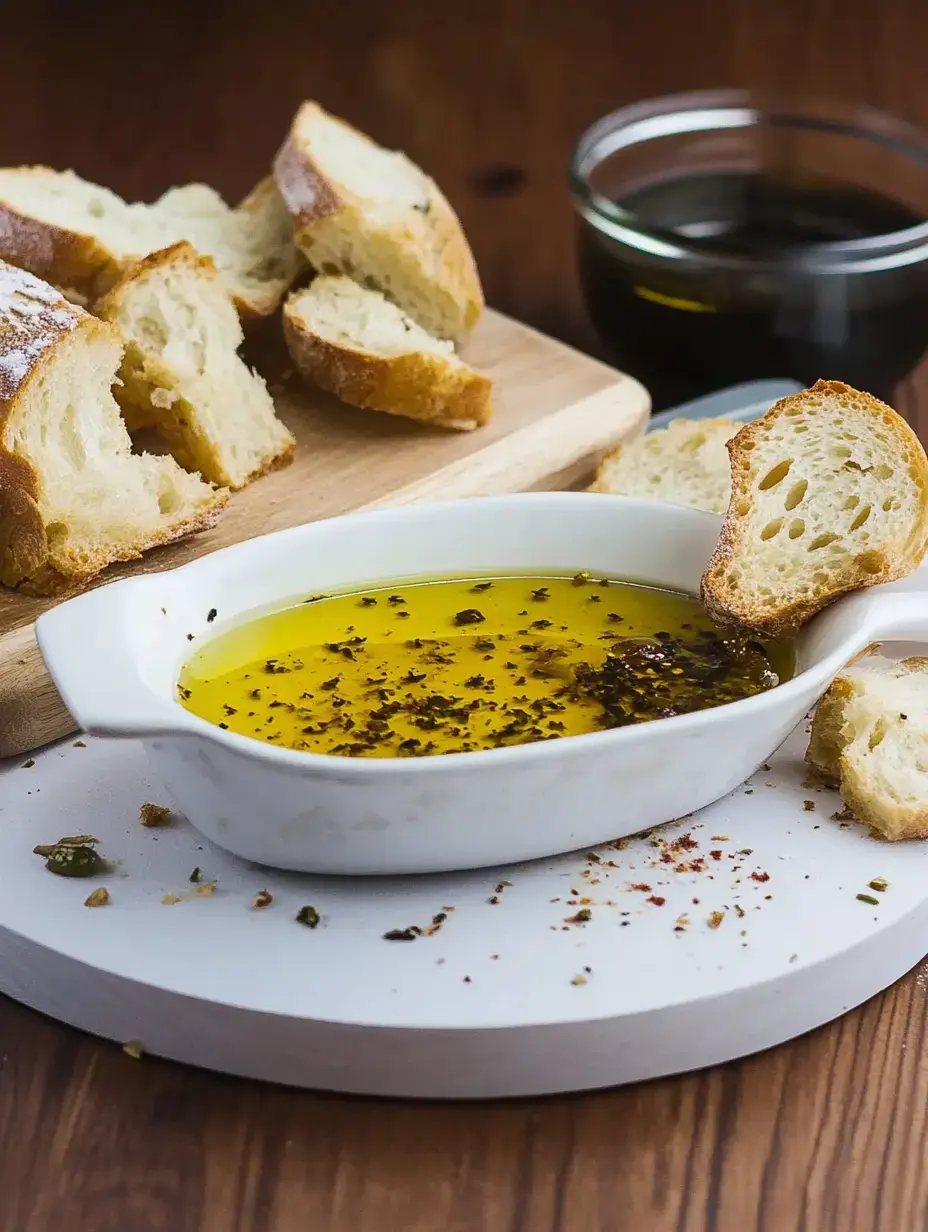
point(453, 666)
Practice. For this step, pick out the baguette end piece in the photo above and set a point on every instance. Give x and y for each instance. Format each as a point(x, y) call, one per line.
point(870, 737)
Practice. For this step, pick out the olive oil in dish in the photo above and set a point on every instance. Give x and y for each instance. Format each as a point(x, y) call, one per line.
point(421, 668)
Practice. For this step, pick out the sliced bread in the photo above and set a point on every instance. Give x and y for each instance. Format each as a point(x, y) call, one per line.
point(870, 738)
point(370, 213)
point(829, 494)
point(359, 346)
point(251, 245)
point(82, 237)
point(182, 374)
point(685, 463)
point(73, 496)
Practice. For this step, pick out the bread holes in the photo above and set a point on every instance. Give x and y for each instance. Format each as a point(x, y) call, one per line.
point(795, 494)
point(883, 471)
point(889, 504)
point(771, 529)
point(775, 476)
point(861, 518)
point(852, 502)
point(871, 562)
point(822, 541)
point(797, 528)
point(877, 734)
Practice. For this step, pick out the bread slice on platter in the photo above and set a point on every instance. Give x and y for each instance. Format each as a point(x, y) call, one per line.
point(829, 494)
point(182, 375)
point(356, 344)
point(73, 496)
point(685, 463)
point(870, 738)
point(82, 237)
point(371, 214)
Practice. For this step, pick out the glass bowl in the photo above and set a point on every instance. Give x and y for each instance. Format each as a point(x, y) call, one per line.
point(724, 238)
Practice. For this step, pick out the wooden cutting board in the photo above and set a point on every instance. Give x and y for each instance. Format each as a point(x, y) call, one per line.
point(556, 411)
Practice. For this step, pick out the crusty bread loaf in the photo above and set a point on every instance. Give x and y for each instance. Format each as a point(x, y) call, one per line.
point(359, 346)
point(82, 237)
point(182, 375)
point(73, 496)
point(370, 213)
point(829, 494)
point(870, 738)
point(685, 463)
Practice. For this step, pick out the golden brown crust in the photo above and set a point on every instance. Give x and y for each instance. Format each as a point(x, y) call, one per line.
point(48, 580)
point(314, 202)
point(826, 740)
point(416, 385)
point(62, 257)
point(719, 596)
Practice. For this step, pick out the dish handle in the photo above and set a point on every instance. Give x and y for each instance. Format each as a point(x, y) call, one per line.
point(97, 667)
point(895, 613)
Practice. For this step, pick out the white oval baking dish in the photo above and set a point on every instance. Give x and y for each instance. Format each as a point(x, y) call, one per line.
point(115, 654)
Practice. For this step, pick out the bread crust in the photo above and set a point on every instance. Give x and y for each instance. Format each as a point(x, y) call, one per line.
point(719, 596)
point(62, 257)
point(417, 385)
point(85, 266)
point(434, 234)
point(28, 343)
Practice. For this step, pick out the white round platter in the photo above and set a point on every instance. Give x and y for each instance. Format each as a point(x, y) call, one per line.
point(514, 993)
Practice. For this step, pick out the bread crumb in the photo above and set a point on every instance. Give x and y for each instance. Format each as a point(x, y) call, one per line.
point(715, 918)
point(578, 980)
point(170, 899)
point(262, 899)
point(163, 398)
point(151, 815)
point(133, 1049)
point(206, 890)
point(101, 897)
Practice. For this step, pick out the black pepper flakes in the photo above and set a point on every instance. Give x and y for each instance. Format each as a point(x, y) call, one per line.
point(469, 616)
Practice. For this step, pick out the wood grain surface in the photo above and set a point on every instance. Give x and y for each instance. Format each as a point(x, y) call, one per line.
point(826, 1134)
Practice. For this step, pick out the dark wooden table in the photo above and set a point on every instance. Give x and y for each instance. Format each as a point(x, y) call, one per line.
point(826, 1133)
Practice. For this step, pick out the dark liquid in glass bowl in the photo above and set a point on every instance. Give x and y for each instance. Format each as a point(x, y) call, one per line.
point(686, 327)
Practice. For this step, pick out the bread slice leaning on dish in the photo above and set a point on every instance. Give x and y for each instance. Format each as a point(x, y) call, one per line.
point(82, 237)
point(182, 374)
point(829, 495)
point(356, 344)
point(372, 215)
point(73, 496)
